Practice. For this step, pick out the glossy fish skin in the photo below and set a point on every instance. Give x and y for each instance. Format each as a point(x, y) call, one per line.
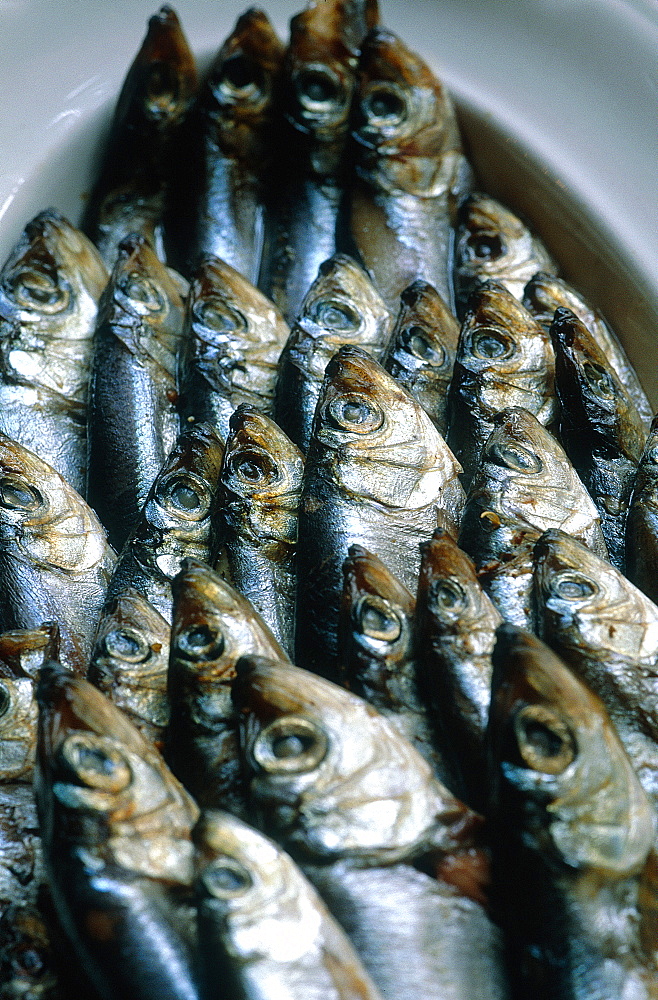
point(607, 631)
point(49, 291)
point(21, 870)
point(574, 863)
point(233, 339)
point(178, 520)
point(263, 928)
point(376, 654)
point(133, 421)
point(259, 492)
point(410, 167)
point(642, 521)
point(456, 632)
point(504, 358)
point(131, 191)
point(55, 563)
point(600, 425)
point(213, 626)
point(217, 204)
point(494, 244)
point(421, 352)
point(129, 662)
point(545, 293)
point(306, 210)
point(116, 828)
point(341, 307)
point(378, 474)
point(24, 651)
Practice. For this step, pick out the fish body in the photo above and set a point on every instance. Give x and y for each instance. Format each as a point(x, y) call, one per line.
point(641, 548)
point(21, 868)
point(233, 338)
point(341, 307)
point(49, 292)
point(131, 191)
point(410, 166)
point(132, 412)
point(378, 474)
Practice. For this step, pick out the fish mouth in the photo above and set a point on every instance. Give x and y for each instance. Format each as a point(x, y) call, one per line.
point(267, 689)
point(366, 574)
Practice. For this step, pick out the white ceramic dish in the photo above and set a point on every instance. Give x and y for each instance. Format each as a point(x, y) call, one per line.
point(559, 101)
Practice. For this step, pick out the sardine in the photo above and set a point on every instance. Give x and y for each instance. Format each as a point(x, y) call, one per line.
point(49, 292)
point(421, 352)
point(24, 651)
point(341, 307)
point(262, 926)
point(55, 563)
point(232, 342)
point(456, 628)
point(504, 358)
point(494, 244)
point(21, 869)
point(213, 626)
point(132, 407)
point(217, 200)
point(545, 293)
point(410, 166)
point(129, 662)
point(642, 522)
point(574, 859)
point(378, 474)
point(259, 491)
point(130, 194)
point(178, 520)
point(117, 848)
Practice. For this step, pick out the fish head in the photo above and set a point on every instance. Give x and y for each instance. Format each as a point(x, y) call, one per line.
point(426, 333)
point(545, 293)
point(331, 776)
point(243, 80)
point(143, 293)
point(560, 772)
point(18, 726)
point(449, 592)
point(24, 651)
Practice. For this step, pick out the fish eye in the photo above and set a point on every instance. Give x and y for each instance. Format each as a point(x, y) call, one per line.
point(40, 291)
point(317, 87)
point(491, 344)
point(143, 293)
point(545, 741)
point(383, 105)
point(447, 597)
point(254, 468)
point(226, 878)
point(127, 644)
point(240, 77)
point(16, 494)
point(184, 496)
point(573, 586)
point(290, 745)
point(599, 380)
point(5, 699)
point(485, 246)
point(355, 413)
point(416, 342)
point(96, 762)
point(200, 642)
point(377, 619)
point(513, 456)
point(162, 88)
point(336, 315)
point(216, 315)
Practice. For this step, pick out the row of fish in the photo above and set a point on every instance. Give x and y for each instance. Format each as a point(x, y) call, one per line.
point(331, 406)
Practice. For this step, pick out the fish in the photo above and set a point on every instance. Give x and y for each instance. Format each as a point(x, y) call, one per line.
point(545, 293)
point(21, 868)
point(494, 244)
point(305, 222)
point(178, 520)
point(116, 833)
point(410, 167)
point(421, 352)
point(504, 358)
point(233, 338)
point(456, 626)
point(600, 426)
point(133, 419)
point(217, 200)
point(607, 631)
point(24, 651)
point(129, 662)
point(342, 306)
point(55, 561)
point(131, 190)
point(574, 836)
point(641, 541)
point(213, 625)
point(260, 485)
point(50, 288)
point(263, 926)
point(377, 474)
